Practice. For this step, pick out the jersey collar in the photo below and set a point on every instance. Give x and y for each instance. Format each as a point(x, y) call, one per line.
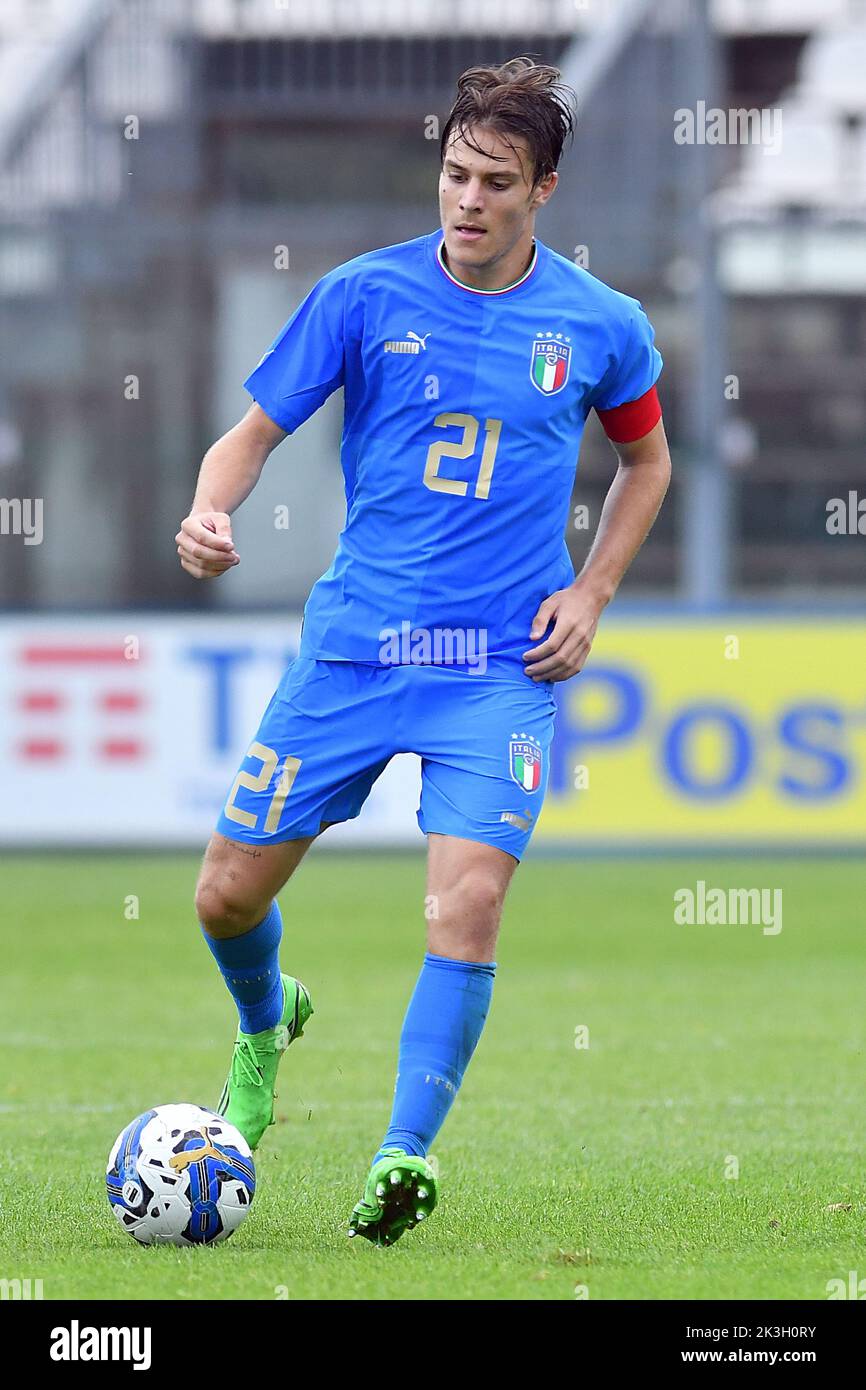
point(438, 241)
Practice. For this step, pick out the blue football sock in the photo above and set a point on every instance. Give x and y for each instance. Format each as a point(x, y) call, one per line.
point(250, 966)
point(440, 1031)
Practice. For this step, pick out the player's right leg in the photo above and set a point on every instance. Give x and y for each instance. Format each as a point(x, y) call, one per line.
point(237, 908)
point(320, 746)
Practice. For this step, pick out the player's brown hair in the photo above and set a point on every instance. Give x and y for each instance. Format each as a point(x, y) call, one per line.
point(520, 97)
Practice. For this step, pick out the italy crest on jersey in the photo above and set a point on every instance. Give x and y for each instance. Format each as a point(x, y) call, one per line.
point(550, 362)
point(525, 762)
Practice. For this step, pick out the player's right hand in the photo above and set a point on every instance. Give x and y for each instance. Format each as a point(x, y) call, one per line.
point(205, 545)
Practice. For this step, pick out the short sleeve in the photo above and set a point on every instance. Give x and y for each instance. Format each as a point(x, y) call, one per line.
point(305, 363)
point(635, 366)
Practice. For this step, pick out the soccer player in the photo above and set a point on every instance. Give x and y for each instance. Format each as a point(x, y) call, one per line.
point(470, 359)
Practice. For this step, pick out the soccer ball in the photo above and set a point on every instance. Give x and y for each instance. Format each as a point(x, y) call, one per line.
point(180, 1175)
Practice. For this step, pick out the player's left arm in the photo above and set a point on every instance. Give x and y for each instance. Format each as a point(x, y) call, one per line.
point(630, 508)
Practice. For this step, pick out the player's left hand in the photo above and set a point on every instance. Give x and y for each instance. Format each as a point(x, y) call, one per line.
point(574, 613)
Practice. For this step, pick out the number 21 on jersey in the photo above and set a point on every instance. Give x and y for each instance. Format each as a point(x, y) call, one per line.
point(463, 449)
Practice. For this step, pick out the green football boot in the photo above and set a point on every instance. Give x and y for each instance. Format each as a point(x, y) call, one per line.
point(247, 1101)
point(401, 1191)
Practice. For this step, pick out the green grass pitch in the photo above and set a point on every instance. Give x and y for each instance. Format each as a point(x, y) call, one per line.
point(604, 1170)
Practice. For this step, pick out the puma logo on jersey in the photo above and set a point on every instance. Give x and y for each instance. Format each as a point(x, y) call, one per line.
point(411, 343)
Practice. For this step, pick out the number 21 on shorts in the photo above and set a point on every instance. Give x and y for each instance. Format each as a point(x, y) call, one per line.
point(258, 782)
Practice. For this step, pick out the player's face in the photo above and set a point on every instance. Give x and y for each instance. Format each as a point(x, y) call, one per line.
point(487, 203)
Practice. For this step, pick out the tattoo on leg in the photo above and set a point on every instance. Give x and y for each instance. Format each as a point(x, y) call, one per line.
point(249, 850)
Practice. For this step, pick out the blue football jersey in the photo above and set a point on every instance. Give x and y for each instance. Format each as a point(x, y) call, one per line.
point(463, 415)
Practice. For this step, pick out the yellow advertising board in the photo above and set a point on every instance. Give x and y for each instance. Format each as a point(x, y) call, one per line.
point(724, 730)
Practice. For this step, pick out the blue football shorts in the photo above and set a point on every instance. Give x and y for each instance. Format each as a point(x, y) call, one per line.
point(333, 726)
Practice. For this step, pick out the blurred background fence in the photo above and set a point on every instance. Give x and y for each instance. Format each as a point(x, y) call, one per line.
point(174, 176)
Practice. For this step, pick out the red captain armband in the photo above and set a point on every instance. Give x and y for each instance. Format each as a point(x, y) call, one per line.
point(626, 423)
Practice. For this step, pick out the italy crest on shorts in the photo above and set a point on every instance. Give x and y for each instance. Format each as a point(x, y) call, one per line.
point(525, 761)
point(550, 362)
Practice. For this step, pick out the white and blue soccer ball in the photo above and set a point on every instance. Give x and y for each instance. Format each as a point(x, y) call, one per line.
point(180, 1175)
